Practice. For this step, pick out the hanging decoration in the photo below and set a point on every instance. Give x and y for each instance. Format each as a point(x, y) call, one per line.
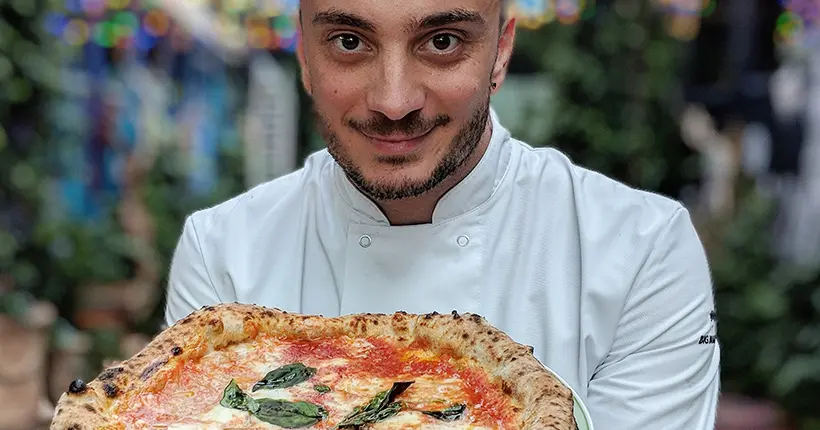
point(532, 14)
point(121, 24)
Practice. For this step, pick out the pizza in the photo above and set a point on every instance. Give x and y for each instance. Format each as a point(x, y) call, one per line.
point(236, 366)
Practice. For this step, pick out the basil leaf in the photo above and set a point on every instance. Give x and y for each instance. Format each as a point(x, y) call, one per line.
point(233, 397)
point(322, 388)
point(281, 413)
point(379, 408)
point(450, 414)
point(289, 415)
point(285, 376)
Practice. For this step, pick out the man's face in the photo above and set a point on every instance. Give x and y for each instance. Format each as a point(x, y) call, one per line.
point(401, 88)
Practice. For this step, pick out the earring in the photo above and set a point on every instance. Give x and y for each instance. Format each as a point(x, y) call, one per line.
point(494, 85)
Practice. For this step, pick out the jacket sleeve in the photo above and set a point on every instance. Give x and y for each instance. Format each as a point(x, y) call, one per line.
point(190, 285)
point(663, 368)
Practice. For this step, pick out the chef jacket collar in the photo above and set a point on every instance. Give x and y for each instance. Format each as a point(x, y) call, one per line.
point(476, 188)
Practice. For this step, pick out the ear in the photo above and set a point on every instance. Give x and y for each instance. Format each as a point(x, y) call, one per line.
point(506, 41)
point(300, 54)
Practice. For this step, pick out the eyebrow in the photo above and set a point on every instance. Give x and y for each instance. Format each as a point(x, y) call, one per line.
point(335, 17)
point(455, 16)
point(450, 17)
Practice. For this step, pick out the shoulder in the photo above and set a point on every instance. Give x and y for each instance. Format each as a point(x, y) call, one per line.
point(595, 197)
point(263, 203)
point(614, 227)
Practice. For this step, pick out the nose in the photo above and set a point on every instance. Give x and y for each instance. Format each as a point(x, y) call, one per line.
point(394, 90)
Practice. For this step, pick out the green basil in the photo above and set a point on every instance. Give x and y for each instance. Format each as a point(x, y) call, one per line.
point(289, 415)
point(285, 376)
point(450, 414)
point(381, 407)
point(281, 413)
point(233, 397)
point(322, 388)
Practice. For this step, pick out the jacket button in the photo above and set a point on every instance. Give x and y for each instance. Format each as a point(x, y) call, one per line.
point(463, 241)
point(365, 241)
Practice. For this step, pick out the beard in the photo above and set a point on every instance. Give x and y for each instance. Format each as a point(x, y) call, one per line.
point(462, 146)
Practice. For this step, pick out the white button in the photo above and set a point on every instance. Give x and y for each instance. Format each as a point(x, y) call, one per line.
point(463, 241)
point(365, 241)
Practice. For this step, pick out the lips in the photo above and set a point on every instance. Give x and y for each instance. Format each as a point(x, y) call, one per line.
point(397, 144)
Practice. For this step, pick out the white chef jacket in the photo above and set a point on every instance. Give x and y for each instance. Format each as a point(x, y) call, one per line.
point(609, 284)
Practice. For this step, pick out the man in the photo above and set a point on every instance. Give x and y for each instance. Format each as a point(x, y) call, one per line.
point(423, 202)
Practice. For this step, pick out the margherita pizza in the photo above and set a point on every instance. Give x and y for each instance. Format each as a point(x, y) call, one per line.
point(238, 366)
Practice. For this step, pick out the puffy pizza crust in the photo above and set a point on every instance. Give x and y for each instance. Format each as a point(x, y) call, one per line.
point(547, 403)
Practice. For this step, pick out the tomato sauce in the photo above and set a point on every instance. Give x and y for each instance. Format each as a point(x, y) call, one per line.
point(195, 387)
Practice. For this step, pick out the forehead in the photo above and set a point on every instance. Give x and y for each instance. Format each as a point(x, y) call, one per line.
point(388, 14)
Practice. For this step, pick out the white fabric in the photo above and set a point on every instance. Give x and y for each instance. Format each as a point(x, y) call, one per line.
point(609, 284)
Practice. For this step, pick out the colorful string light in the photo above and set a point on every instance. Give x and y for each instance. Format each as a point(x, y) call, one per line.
point(798, 21)
point(532, 14)
point(270, 24)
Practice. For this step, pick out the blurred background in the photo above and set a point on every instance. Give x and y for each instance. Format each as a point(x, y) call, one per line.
point(120, 117)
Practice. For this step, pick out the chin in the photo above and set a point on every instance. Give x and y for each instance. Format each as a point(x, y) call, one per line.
point(392, 182)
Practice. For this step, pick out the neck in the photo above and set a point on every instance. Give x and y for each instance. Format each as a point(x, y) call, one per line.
point(419, 209)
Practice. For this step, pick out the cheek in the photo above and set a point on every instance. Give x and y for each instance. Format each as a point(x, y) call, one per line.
point(336, 90)
point(457, 94)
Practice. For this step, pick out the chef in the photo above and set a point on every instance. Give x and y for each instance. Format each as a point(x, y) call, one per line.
point(424, 202)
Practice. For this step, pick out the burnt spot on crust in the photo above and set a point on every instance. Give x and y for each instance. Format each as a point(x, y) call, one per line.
point(109, 374)
point(74, 427)
point(401, 312)
point(90, 408)
point(476, 318)
point(175, 351)
point(430, 315)
point(506, 388)
point(269, 313)
point(150, 370)
point(111, 390)
point(530, 349)
point(77, 386)
point(456, 316)
point(209, 308)
point(465, 335)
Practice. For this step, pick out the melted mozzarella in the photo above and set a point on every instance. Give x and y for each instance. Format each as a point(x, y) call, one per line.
point(429, 392)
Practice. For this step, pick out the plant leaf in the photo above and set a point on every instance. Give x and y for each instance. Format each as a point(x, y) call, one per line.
point(285, 376)
point(289, 415)
point(281, 413)
point(452, 413)
point(379, 408)
point(233, 397)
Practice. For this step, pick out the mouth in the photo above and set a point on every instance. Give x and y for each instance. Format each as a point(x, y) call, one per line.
point(397, 144)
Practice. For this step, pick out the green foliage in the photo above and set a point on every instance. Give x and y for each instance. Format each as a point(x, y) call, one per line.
point(615, 76)
point(769, 313)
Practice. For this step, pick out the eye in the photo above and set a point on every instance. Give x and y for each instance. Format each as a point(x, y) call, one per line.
point(348, 42)
point(443, 43)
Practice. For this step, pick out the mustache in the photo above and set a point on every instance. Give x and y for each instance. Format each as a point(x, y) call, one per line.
point(412, 124)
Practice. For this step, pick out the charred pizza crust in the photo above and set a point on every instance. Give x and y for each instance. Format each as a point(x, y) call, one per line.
point(547, 403)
